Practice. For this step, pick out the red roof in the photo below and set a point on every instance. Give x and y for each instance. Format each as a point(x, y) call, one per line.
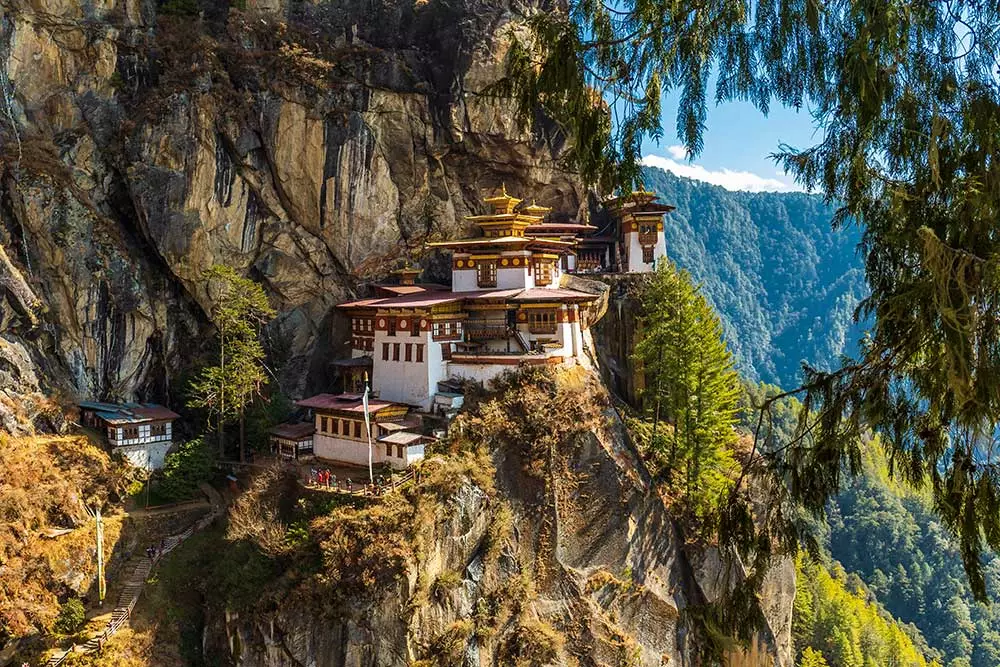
point(294, 431)
point(552, 294)
point(343, 403)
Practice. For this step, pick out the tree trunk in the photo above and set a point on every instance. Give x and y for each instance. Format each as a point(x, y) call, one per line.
point(222, 393)
point(243, 436)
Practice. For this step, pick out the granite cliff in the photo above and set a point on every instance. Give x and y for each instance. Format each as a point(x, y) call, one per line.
point(310, 145)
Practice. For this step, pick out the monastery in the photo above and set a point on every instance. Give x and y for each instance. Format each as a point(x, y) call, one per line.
point(506, 307)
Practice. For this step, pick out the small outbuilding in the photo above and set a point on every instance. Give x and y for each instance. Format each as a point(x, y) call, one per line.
point(292, 440)
point(141, 432)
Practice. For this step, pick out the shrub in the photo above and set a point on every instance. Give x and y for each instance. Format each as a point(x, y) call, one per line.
point(186, 468)
point(446, 582)
point(71, 617)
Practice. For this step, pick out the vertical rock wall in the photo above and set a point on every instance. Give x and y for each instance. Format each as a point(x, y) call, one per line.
point(310, 146)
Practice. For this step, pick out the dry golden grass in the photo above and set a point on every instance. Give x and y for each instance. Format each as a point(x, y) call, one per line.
point(45, 484)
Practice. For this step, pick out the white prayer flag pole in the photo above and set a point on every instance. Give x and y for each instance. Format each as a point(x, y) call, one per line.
point(368, 430)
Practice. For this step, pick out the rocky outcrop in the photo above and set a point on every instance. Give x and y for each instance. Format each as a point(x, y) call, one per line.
point(311, 146)
point(591, 560)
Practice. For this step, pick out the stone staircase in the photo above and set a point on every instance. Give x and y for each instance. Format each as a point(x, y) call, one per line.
point(135, 582)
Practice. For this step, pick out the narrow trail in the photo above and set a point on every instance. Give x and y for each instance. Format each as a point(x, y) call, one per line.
point(136, 580)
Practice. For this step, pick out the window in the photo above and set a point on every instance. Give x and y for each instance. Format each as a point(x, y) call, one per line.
point(420, 353)
point(399, 451)
point(131, 432)
point(647, 254)
point(542, 321)
point(357, 430)
point(334, 424)
point(112, 433)
point(414, 327)
point(543, 272)
point(392, 326)
point(446, 351)
point(388, 450)
point(409, 351)
point(158, 430)
point(345, 428)
point(385, 351)
point(395, 351)
point(486, 275)
point(323, 425)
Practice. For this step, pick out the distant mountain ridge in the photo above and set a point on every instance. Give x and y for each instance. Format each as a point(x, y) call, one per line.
point(784, 282)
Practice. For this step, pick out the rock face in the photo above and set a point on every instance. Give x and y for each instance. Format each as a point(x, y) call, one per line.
point(609, 574)
point(311, 146)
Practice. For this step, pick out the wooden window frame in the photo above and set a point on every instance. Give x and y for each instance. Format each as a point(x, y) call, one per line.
point(543, 321)
point(357, 430)
point(486, 273)
point(647, 254)
point(385, 351)
point(420, 353)
point(395, 351)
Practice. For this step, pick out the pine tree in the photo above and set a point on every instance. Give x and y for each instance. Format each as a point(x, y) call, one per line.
point(690, 383)
point(227, 388)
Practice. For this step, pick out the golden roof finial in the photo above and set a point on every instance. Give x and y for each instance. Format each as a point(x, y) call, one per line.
point(503, 188)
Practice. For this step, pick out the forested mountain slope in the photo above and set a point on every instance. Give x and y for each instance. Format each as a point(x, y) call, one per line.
point(892, 539)
point(785, 283)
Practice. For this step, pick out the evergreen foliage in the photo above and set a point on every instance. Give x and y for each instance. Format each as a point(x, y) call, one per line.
point(71, 616)
point(784, 284)
point(890, 536)
point(227, 389)
point(692, 391)
point(184, 469)
point(907, 106)
point(834, 625)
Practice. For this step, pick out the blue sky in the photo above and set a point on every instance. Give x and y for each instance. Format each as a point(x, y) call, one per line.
point(738, 140)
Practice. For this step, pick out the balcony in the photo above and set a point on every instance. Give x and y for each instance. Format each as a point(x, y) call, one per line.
point(543, 328)
point(487, 330)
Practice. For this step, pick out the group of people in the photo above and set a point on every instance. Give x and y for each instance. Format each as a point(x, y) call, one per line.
point(153, 552)
point(323, 477)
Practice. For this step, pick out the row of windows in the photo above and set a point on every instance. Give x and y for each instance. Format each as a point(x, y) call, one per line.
point(362, 324)
point(408, 350)
point(346, 428)
point(132, 432)
point(542, 321)
point(447, 328)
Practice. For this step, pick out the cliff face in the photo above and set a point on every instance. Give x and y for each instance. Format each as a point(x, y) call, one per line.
point(308, 145)
point(565, 557)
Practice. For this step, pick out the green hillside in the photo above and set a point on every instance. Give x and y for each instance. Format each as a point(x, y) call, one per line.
point(785, 284)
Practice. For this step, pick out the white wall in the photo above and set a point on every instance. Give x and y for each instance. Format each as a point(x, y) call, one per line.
point(477, 372)
point(147, 456)
point(464, 280)
point(635, 263)
point(515, 277)
point(408, 381)
point(348, 451)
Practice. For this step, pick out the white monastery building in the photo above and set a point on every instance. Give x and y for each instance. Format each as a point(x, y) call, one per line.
point(505, 308)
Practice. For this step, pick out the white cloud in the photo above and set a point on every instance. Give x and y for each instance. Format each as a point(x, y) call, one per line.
point(677, 152)
point(727, 178)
